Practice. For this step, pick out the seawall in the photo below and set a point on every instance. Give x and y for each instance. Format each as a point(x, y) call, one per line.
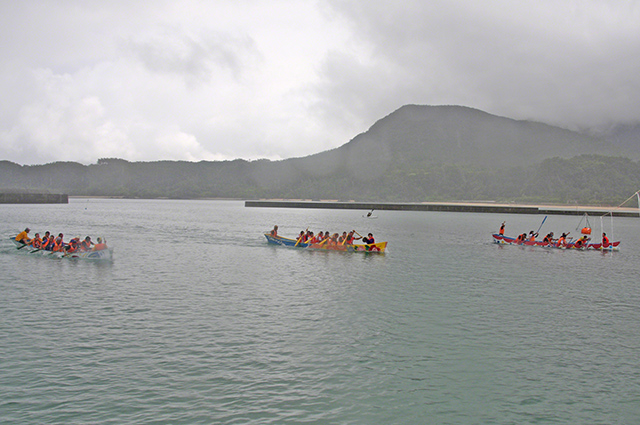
point(34, 198)
point(474, 207)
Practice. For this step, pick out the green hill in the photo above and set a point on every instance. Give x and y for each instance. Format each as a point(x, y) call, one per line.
point(417, 153)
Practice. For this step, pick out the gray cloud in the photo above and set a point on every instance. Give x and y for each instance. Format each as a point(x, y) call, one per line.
point(173, 51)
point(569, 63)
point(248, 79)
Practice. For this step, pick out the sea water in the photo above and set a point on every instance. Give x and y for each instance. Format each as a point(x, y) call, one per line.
point(199, 321)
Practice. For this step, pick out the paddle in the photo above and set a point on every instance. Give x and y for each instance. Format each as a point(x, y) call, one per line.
point(23, 245)
point(35, 250)
point(545, 219)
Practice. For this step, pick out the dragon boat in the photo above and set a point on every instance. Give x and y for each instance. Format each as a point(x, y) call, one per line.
point(103, 253)
point(378, 247)
point(501, 239)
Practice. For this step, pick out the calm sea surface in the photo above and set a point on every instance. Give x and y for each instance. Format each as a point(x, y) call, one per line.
point(198, 321)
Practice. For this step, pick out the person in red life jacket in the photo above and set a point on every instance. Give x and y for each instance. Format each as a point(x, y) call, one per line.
point(36, 242)
point(532, 236)
point(521, 238)
point(605, 240)
point(274, 232)
point(501, 231)
point(311, 238)
point(369, 240)
point(58, 243)
point(548, 239)
point(24, 237)
point(343, 238)
point(85, 245)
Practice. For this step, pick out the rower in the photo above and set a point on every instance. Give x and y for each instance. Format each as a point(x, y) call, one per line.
point(605, 240)
point(274, 232)
point(58, 243)
point(501, 231)
point(562, 240)
point(85, 245)
point(581, 242)
point(548, 239)
point(23, 236)
point(36, 242)
point(73, 246)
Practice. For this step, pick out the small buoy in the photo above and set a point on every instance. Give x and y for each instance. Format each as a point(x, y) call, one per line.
point(586, 230)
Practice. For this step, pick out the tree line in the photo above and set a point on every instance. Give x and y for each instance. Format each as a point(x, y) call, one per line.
point(583, 179)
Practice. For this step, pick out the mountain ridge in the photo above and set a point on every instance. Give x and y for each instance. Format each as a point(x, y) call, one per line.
point(416, 153)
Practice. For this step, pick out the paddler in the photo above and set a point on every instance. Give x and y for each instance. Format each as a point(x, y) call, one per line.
point(548, 239)
point(58, 243)
point(351, 238)
point(73, 246)
point(581, 242)
point(47, 242)
point(605, 240)
point(562, 240)
point(274, 232)
point(23, 237)
point(85, 245)
point(532, 236)
point(36, 242)
point(501, 231)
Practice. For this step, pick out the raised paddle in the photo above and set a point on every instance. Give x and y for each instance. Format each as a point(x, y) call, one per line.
point(543, 220)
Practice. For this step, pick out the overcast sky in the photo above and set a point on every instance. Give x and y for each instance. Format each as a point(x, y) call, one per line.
point(214, 80)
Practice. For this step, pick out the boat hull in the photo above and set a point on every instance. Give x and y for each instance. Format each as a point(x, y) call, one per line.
point(378, 247)
point(103, 254)
point(501, 239)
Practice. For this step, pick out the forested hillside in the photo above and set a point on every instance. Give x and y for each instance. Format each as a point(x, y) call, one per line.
point(416, 154)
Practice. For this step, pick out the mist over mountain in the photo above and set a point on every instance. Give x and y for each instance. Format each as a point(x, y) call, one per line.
point(417, 153)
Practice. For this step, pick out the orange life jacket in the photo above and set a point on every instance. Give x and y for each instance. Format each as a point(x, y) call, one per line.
point(58, 244)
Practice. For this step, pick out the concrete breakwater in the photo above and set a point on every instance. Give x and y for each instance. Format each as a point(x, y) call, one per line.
point(34, 198)
point(474, 207)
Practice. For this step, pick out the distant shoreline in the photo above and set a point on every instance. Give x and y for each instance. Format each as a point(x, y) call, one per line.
point(490, 207)
point(474, 207)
